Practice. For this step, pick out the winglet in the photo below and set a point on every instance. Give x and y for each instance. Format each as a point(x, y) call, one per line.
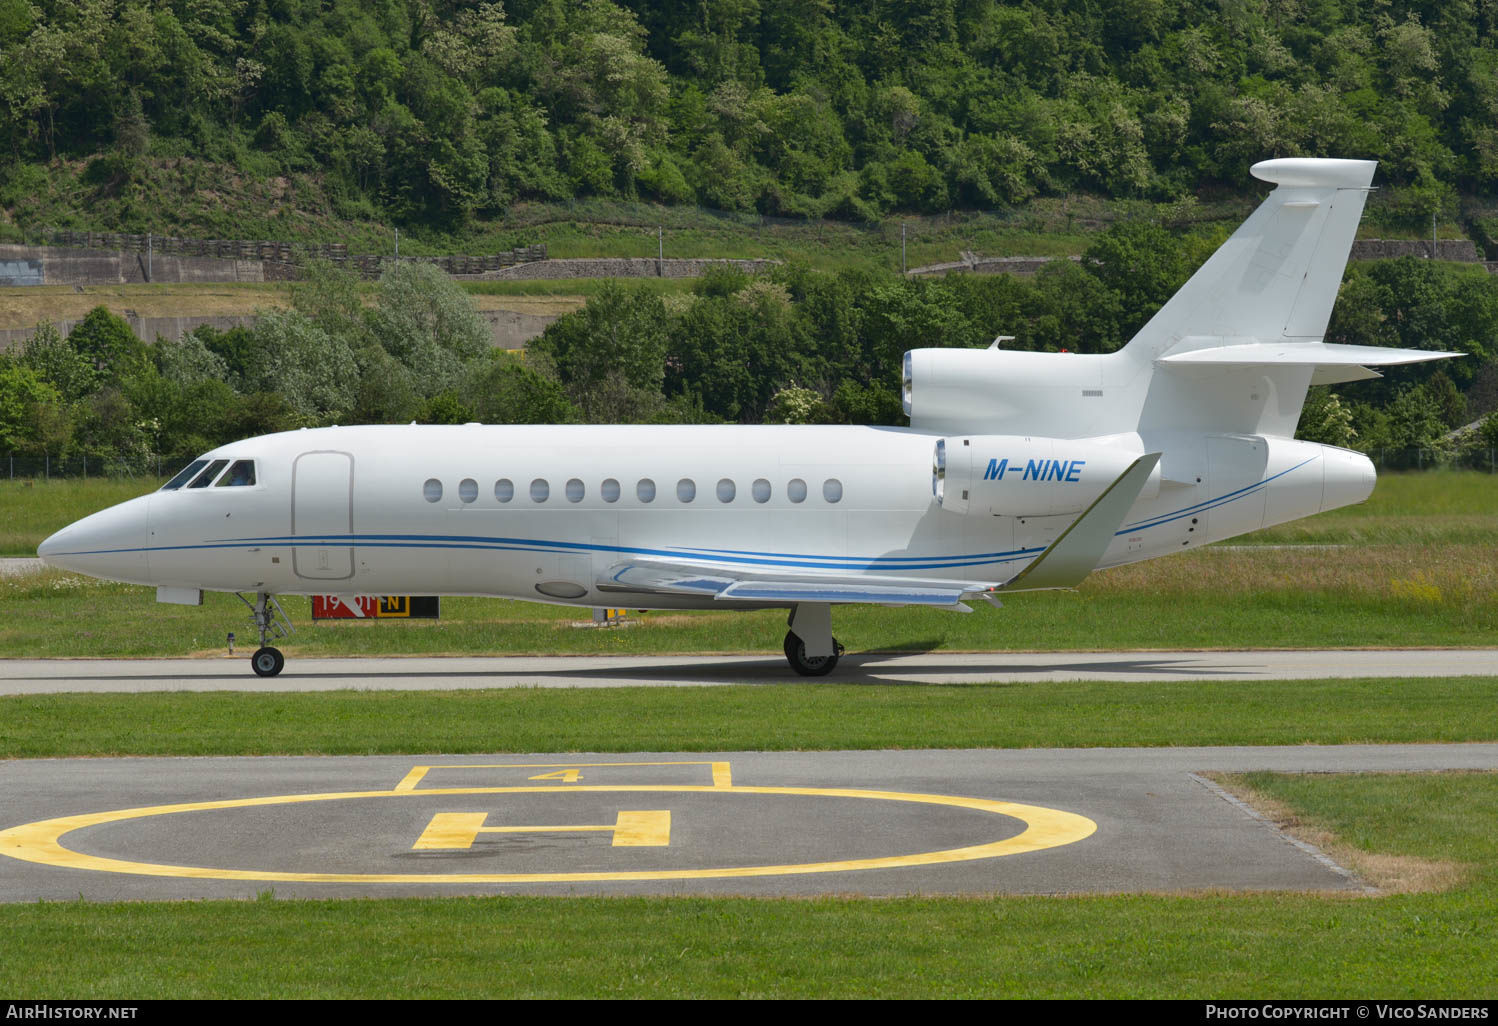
point(1076, 553)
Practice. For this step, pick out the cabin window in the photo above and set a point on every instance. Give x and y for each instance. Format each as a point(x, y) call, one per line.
point(832, 490)
point(575, 490)
point(184, 475)
point(761, 490)
point(726, 490)
point(795, 490)
point(468, 489)
point(686, 489)
point(609, 490)
point(240, 475)
point(540, 490)
point(205, 479)
point(645, 490)
point(432, 490)
point(504, 489)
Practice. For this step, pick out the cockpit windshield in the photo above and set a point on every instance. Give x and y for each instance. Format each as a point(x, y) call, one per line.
point(241, 474)
point(202, 473)
point(205, 479)
point(185, 476)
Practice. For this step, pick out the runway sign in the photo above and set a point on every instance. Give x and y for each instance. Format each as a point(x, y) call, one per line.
point(375, 607)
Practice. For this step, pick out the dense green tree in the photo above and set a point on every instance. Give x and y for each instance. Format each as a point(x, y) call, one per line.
point(427, 322)
point(23, 394)
point(108, 344)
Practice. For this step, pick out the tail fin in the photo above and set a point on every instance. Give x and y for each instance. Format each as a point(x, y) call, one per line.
point(1233, 351)
point(1276, 278)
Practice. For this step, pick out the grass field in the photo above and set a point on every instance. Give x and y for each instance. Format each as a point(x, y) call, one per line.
point(798, 717)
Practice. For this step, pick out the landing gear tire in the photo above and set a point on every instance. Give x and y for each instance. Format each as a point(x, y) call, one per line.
point(267, 662)
point(805, 665)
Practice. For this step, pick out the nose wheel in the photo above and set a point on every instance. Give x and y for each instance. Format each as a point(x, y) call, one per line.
point(270, 620)
point(267, 661)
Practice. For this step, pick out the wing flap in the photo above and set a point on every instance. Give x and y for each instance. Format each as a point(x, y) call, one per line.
point(748, 584)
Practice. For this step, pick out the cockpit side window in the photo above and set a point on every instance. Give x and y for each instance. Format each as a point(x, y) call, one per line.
point(185, 476)
point(240, 475)
point(205, 479)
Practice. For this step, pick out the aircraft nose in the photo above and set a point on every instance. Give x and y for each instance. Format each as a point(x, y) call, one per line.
point(110, 544)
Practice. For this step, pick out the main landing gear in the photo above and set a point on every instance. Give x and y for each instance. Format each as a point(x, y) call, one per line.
point(809, 666)
point(810, 647)
point(269, 620)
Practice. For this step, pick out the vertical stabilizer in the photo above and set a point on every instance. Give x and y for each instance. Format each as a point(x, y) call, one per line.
point(1277, 276)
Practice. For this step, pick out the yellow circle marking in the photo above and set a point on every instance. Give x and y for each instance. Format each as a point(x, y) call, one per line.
point(1044, 828)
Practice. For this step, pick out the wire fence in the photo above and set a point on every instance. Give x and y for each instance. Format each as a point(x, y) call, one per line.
point(1436, 459)
point(48, 468)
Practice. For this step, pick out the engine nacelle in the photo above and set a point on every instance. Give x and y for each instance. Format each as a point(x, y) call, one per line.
point(1015, 476)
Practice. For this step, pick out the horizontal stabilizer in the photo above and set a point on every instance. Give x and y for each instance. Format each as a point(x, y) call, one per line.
point(1076, 553)
point(1333, 363)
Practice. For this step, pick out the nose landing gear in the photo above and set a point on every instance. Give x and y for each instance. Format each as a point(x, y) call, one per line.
point(269, 620)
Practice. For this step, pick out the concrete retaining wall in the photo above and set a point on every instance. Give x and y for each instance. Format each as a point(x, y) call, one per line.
point(147, 328)
point(67, 266)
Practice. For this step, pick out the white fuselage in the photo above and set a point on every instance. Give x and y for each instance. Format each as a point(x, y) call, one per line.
point(352, 510)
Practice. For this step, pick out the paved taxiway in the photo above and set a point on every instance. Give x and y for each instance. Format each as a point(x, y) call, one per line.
point(39, 676)
point(879, 823)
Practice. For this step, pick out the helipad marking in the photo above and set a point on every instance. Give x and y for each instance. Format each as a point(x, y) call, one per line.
point(1044, 828)
point(722, 774)
point(631, 829)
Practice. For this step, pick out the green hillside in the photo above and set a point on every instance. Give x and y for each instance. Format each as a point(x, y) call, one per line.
point(270, 117)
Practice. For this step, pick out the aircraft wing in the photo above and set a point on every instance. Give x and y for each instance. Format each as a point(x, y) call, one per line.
point(654, 575)
point(1064, 564)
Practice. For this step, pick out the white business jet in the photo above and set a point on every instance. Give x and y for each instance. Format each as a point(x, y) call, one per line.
point(1020, 471)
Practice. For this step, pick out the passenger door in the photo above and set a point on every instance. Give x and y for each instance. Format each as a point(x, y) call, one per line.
point(322, 510)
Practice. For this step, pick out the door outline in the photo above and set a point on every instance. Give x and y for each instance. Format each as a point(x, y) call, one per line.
point(298, 560)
